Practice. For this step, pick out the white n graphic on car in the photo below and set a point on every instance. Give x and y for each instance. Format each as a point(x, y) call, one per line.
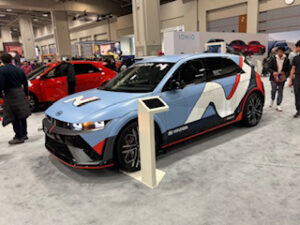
point(81, 100)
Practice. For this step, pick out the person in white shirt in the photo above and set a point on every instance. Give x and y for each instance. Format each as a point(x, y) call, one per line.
point(279, 68)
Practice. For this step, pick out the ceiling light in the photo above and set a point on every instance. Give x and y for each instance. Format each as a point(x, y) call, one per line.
point(9, 10)
point(45, 15)
point(35, 20)
point(15, 29)
point(2, 15)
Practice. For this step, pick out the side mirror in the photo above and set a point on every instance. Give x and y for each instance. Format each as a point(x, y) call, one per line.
point(176, 84)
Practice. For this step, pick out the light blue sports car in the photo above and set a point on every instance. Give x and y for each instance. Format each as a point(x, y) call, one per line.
point(98, 128)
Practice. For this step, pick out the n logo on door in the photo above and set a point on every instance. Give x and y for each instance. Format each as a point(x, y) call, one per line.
point(81, 100)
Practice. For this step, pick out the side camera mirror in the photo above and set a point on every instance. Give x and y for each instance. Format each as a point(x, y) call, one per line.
point(176, 84)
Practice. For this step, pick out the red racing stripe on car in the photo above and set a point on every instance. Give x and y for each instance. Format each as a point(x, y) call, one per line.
point(237, 81)
point(99, 147)
point(195, 135)
point(241, 61)
point(83, 167)
point(51, 129)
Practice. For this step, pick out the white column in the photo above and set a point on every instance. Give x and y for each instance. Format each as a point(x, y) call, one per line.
point(61, 34)
point(252, 16)
point(6, 34)
point(202, 17)
point(190, 16)
point(27, 35)
point(146, 24)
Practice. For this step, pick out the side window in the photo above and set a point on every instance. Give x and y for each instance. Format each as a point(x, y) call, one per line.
point(221, 67)
point(85, 69)
point(192, 72)
point(55, 72)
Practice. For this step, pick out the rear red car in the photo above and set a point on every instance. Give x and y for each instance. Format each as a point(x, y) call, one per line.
point(255, 47)
point(239, 46)
point(45, 86)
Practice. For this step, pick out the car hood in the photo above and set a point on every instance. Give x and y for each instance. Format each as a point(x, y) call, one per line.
point(65, 110)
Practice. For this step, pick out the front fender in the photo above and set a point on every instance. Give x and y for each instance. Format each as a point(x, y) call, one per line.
point(131, 117)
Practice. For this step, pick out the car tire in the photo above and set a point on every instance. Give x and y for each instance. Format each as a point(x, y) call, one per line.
point(127, 152)
point(33, 102)
point(253, 110)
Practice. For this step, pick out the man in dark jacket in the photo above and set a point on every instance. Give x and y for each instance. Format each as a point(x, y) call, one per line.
point(279, 68)
point(67, 69)
point(16, 106)
point(296, 71)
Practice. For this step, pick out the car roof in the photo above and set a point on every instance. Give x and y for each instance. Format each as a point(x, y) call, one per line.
point(186, 57)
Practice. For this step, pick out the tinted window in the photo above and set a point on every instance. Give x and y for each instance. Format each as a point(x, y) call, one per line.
point(242, 43)
point(254, 43)
point(192, 72)
point(85, 69)
point(221, 67)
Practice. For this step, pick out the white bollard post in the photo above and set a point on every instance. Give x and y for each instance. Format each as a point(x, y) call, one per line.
point(147, 108)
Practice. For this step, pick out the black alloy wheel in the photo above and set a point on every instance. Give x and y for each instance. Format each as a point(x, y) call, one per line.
point(33, 102)
point(253, 110)
point(127, 151)
point(128, 148)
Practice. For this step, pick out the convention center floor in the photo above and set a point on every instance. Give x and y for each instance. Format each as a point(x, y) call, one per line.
point(236, 176)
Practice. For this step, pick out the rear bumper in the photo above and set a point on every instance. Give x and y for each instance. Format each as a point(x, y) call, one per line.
point(70, 148)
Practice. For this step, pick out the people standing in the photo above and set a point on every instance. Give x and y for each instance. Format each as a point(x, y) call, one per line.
point(279, 68)
point(67, 69)
point(26, 67)
point(296, 71)
point(14, 84)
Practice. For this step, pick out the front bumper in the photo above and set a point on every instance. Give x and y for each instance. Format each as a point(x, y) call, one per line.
point(70, 148)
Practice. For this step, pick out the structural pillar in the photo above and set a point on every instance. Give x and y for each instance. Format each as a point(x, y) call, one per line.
point(27, 35)
point(202, 18)
point(190, 15)
point(6, 34)
point(146, 27)
point(61, 34)
point(252, 16)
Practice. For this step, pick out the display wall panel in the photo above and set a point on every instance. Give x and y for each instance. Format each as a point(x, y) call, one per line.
point(279, 20)
point(224, 25)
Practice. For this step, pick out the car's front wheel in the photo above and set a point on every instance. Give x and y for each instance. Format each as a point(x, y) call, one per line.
point(128, 148)
point(33, 102)
point(253, 110)
point(127, 151)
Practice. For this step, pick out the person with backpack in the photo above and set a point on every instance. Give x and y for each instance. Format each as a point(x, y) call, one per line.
point(279, 68)
point(14, 85)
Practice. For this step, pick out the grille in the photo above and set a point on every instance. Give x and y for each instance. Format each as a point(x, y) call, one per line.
point(62, 148)
point(59, 123)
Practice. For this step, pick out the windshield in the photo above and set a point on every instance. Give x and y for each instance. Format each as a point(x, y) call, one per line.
point(38, 71)
point(143, 77)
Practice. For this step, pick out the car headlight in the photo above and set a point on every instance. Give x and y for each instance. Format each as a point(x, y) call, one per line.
point(100, 125)
point(29, 84)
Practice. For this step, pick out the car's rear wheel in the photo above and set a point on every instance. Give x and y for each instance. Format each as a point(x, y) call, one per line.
point(253, 110)
point(33, 102)
point(127, 152)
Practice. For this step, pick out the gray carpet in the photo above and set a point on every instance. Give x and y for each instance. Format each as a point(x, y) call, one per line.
point(235, 176)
